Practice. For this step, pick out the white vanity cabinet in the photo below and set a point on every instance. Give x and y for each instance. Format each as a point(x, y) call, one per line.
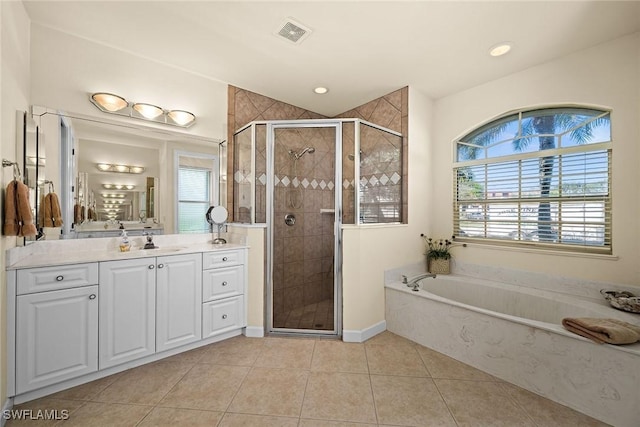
point(75, 323)
point(149, 305)
point(178, 300)
point(223, 284)
point(56, 324)
point(127, 310)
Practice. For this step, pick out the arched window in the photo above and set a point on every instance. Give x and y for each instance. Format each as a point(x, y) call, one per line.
point(537, 177)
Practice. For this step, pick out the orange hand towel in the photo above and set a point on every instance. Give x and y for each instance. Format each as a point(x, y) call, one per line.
point(610, 331)
point(77, 213)
point(52, 212)
point(18, 216)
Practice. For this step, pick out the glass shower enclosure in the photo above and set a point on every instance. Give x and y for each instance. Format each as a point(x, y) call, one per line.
point(299, 178)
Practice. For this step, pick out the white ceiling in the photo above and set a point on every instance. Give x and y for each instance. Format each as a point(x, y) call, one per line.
point(360, 50)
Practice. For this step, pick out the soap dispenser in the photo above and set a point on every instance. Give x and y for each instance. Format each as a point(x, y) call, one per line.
point(125, 245)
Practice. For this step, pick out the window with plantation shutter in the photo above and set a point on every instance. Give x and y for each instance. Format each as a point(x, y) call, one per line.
point(194, 198)
point(540, 178)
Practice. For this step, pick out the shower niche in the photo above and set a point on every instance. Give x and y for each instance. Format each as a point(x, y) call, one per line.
point(305, 179)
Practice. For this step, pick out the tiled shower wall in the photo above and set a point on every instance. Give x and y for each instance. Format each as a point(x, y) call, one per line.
point(379, 150)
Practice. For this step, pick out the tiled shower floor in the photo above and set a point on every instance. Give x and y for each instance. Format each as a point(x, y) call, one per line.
point(317, 316)
point(305, 382)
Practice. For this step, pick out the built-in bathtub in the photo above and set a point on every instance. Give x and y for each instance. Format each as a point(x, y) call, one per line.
point(515, 333)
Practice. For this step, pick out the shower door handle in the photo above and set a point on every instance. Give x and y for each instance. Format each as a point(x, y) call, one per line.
point(290, 219)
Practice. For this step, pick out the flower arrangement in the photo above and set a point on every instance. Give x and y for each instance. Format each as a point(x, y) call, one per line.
point(438, 248)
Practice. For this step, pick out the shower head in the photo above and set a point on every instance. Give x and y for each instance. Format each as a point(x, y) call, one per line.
point(296, 156)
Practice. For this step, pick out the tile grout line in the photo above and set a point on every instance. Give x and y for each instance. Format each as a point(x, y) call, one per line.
point(516, 403)
point(445, 402)
point(306, 385)
point(373, 396)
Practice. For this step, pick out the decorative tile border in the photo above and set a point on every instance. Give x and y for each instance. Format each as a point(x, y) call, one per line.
point(285, 181)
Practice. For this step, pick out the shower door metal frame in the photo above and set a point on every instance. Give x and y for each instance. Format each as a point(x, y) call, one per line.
point(272, 126)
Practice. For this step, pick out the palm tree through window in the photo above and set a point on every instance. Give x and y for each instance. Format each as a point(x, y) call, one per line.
point(537, 177)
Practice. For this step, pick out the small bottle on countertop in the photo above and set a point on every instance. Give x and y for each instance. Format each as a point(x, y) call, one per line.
point(125, 245)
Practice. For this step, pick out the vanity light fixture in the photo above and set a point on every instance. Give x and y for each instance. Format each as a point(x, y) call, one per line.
point(32, 160)
point(113, 201)
point(113, 195)
point(181, 117)
point(109, 102)
point(108, 167)
point(148, 111)
point(115, 104)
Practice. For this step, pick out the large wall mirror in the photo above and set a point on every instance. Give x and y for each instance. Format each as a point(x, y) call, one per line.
point(111, 175)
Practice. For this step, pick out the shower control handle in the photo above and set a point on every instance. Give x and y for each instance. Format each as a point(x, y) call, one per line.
point(290, 219)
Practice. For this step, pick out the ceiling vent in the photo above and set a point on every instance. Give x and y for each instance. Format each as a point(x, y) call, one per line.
point(293, 31)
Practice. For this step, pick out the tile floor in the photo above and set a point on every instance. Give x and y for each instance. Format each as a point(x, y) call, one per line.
point(387, 381)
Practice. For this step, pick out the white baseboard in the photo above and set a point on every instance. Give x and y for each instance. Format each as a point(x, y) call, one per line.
point(254, 332)
point(8, 405)
point(364, 334)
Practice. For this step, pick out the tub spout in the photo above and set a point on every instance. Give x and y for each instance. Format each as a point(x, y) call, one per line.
point(414, 280)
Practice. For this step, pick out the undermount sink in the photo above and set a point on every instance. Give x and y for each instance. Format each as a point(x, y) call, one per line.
point(167, 249)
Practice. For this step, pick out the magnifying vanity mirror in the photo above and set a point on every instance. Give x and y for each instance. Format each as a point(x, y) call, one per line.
point(111, 176)
point(217, 216)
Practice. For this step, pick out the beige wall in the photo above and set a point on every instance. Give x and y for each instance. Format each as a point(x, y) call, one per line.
point(607, 76)
point(14, 90)
point(370, 250)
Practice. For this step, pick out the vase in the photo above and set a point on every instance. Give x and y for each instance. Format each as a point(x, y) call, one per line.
point(439, 265)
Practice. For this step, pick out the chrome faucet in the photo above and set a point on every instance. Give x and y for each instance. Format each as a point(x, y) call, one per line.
point(149, 244)
point(414, 280)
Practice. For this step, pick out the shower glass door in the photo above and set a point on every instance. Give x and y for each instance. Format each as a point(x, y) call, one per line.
point(303, 263)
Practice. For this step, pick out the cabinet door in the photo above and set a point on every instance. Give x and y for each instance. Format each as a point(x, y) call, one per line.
point(222, 316)
point(127, 310)
point(179, 300)
point(56, 336)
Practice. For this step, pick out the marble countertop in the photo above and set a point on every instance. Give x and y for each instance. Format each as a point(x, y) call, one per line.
point(76, 251)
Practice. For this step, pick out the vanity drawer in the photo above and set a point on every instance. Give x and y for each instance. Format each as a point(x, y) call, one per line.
point(221, 259)
point(41, 279)
point(222, 316)
point(222, 282)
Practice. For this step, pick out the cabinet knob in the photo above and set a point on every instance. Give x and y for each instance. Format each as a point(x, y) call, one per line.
point(224, 258)
point(160, 265)
point(92, 296)
point(60, 278)
point(224, 316)
point(151, 267)
point(224, 283)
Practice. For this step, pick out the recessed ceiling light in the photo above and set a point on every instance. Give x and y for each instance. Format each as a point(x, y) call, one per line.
point(500, 49)
point(321, 90)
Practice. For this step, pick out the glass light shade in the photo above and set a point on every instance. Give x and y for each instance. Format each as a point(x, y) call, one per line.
point(147, 110)
point(107, 186)
point(109, 101)
point(129, 187)
point(181, 117)
point(136, 169)
point(103, 166)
